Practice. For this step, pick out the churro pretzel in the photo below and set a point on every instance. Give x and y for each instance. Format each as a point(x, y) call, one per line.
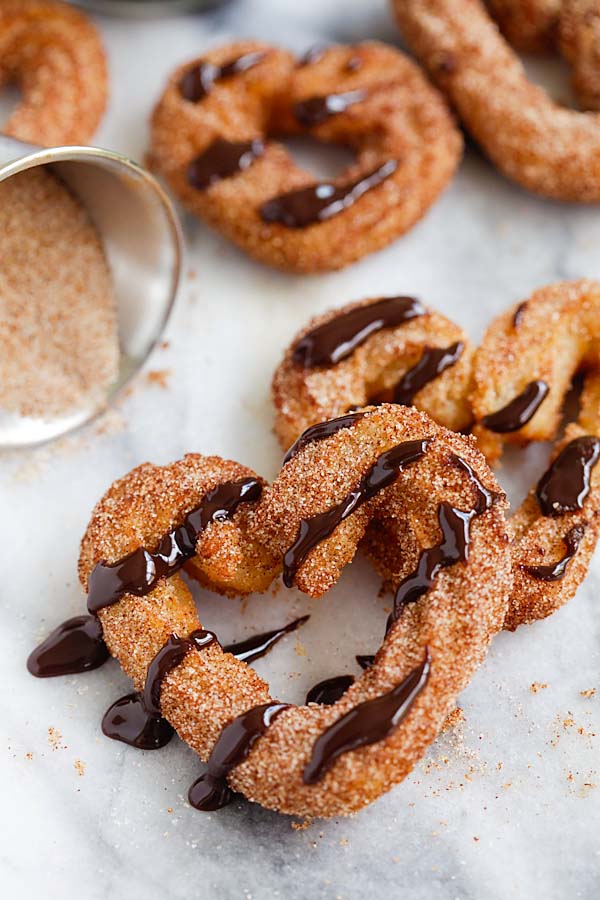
point(212, 140)
point(395, 468)
point(54, 54)
point(522, 372)
point(390, 348)
point(541, 145)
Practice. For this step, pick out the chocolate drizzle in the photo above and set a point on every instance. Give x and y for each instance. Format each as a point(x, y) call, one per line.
point(365, 660)
point(260, 644)
point(566, 484)
point(330, 690)
point(140, 571)
point(336, 339)
point(556, 571)
point(75, 646)
point(136, 719)
point(433, 362)
point(368, 723)
point(222, 159)
point(382, 473)
point(519, 411)
point(455, 525)
point(316, 110)
point(198, 81)
point(233, 745)
point(319, 202)
point(321, 431)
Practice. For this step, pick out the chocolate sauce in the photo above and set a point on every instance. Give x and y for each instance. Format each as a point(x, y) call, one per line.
point(315, 110)
point(519, 313)
point(319, 202)
point(320, 432)
point(330, 690)
point(368, 723)
point(556, 571)
point(140, 571)
point(75, 646)
point(566, 484)
point(433, 362)
point(365, 660)
point(455, 525)
point(260, 644)
point(136, 719)
point(222, 159)
point(199, 80)
point(233, 745)
point(519, 411)
point(382, 473)
point(336, 339)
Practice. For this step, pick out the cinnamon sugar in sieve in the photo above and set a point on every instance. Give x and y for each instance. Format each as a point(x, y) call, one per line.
point(59, 348)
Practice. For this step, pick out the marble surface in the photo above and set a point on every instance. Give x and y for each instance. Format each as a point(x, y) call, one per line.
point(508, 804)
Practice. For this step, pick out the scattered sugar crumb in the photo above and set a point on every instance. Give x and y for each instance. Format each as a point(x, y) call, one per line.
point(79, 767)
point(300, 649)
point(301, 826)
point(589, 693)
point(29, 755)
point(454, 719)
point(54, 738)
point(538, 686)
point(159, 378)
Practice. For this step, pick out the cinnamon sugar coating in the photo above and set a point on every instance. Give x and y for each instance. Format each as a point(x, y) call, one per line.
point(54, 54)
point(529, 25)
point(303, 397)
point(401, 118)
point(455, 619)
point(541, 145)
point(556, 337)
point(579, 42)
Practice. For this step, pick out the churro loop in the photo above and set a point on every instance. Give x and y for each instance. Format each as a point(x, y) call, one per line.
point(395, 468)
point(211, 140)
point(54, 54)
point(541, 145)
point(522, 372)
point(391, 348)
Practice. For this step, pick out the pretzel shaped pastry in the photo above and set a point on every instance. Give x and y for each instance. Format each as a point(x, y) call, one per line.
point(212, 140)
point(522, 372)
point(394, 467)
point(389, 348)
point(55, 55)
point(541, 145)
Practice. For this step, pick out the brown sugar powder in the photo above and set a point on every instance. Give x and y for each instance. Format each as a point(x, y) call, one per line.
point(59, 347)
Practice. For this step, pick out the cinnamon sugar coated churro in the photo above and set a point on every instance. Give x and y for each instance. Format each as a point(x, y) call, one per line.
point(541, 145)
point(55, 55)
point(58, 335)
point(211, 140)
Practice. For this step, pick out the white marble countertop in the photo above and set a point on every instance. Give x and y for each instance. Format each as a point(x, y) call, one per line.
point(508, 805)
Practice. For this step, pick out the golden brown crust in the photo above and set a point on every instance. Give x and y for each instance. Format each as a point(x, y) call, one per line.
point(529, 25)
point(55, 55)
point(455, 620)
point(403, 118)
point(556, 336)
point(303, 397)
point(542, 146)
point(579, 42)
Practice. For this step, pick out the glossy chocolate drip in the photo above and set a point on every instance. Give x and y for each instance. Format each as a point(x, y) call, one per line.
point(365, 660)
point(368, 723)
point(455, 525)
point(315, 110)
point(556, 571)
point(336, 339)
point(382, 473)
point(222, 159)
point(260, 644)
point(319, 202)
point(566, 484)
point(519, 313)
point(75, 646)
point(330, 690)
point(233, 745)
point(519, 411)
point(320, 432)
point(136, 719)
point(140, 571)
point(433, 362)
point(199, 80)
